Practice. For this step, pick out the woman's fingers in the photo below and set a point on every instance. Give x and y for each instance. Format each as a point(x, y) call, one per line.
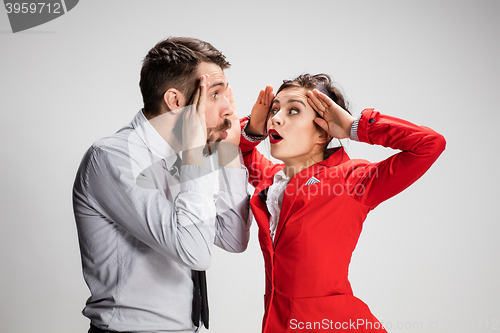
point(266, 96)
point(323, 98)
point(269, 96)
point(315, 102)
point(259, 112)
point(260, 99)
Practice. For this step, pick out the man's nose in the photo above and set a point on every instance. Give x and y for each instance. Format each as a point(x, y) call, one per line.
point(227, 109)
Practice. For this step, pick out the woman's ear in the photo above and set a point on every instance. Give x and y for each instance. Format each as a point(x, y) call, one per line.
point(174, 99)
point(324, 136)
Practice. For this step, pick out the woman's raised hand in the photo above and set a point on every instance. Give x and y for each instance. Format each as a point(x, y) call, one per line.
point(257, 124)
point(333, 119)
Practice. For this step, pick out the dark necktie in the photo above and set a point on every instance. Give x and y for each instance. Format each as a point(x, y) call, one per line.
point(176, 168)
point(200, 298)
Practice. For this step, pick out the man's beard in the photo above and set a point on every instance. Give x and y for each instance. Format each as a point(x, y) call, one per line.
point(214, 137)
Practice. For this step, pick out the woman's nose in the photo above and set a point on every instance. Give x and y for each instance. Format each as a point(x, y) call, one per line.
point(276, 119)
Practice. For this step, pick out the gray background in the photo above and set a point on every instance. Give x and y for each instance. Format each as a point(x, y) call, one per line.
point(427, 260)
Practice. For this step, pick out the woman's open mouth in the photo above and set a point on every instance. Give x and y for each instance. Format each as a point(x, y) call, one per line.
point(274, 136)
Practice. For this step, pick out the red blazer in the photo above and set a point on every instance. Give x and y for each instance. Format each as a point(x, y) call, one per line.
point(321, 218)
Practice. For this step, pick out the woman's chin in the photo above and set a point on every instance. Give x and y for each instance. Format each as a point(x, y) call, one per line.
point(277, 154)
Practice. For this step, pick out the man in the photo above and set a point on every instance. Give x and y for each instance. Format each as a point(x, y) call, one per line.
point(150, 201)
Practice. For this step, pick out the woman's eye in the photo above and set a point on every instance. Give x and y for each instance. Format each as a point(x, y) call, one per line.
point(214, 95)
point(294, 111)
point(274, 111)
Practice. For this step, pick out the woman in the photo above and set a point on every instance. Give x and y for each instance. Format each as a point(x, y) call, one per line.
point(310, 209)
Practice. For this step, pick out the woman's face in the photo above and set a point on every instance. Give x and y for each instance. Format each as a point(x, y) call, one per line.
point(294, 136)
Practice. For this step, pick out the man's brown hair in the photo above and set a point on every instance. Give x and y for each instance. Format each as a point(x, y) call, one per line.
point(172, 63)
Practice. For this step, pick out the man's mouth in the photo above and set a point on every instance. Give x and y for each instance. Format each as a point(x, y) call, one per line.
point(274, 136)
point(219, 133)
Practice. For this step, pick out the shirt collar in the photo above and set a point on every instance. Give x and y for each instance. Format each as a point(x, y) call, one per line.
point(152, 139)
point(280, 177)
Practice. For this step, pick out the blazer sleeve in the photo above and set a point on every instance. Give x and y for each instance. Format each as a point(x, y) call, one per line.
point(257, 165)
point(373, 183)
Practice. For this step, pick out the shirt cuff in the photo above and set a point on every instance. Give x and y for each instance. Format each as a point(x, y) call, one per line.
point(354, 129)
point(194, 178)
point(234, 180)
point(251, 138)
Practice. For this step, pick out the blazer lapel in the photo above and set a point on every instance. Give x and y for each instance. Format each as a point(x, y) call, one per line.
point(291, 191)
point(260, 212)
point(263, 195)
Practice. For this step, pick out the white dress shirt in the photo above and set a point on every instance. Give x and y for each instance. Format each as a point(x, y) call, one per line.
point(275, 198)
point(142, 228)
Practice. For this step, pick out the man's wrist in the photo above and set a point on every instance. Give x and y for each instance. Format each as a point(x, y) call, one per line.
point(229, 155)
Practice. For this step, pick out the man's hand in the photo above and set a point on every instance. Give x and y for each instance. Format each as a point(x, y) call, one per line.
point(258, 119)
point(194, 128)
point(234, 133)
point(229, 150)
point(333, 119)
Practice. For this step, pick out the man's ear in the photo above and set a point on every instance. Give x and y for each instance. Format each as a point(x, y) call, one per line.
point(174, 99)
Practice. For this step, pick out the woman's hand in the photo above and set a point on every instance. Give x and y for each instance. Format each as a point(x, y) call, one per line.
point(258, 118)
point(333, 119)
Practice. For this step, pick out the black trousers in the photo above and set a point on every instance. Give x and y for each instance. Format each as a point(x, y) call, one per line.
point(94, 329)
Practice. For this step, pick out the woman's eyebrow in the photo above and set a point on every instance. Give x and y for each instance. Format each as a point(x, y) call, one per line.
point(296, 100)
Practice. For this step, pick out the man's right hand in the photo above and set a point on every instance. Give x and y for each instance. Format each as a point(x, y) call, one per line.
point(194, 128)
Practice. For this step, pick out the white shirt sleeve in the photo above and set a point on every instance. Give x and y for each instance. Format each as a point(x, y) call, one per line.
point(233, 210)
point(183, 231)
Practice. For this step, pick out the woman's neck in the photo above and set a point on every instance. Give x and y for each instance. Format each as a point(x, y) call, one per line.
point(296, 165)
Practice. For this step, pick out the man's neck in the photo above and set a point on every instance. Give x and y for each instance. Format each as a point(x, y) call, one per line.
point(165, 127)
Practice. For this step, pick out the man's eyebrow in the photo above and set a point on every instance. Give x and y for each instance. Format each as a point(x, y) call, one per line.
point(220, 83)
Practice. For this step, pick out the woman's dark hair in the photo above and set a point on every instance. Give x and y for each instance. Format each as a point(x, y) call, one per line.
point(172, 63)
point(323, 83)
